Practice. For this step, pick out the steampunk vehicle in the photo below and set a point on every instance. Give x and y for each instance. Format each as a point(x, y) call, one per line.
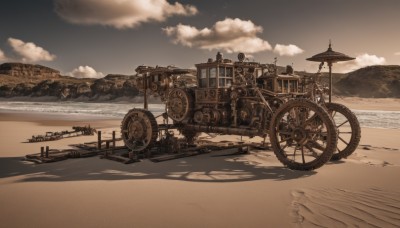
point(236, 98)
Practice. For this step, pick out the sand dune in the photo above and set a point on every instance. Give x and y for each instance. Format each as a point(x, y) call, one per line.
point(371, 207)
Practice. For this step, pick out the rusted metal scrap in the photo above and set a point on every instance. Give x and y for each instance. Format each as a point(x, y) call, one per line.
point(51, 136)
point(107, 149)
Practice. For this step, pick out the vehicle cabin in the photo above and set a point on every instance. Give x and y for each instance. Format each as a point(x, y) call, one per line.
point(214, 78)
point(283, 83)
point(215, 74)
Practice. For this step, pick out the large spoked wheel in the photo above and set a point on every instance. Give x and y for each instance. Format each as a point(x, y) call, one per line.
point(139, 130)
point(348, 127)
point(303, 135)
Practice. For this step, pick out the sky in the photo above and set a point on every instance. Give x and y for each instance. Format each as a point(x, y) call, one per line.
point(93, 38)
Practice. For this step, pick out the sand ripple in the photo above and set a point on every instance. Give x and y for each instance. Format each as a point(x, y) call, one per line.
point(373, 207)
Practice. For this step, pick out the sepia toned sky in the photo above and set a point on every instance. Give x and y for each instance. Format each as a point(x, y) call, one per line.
point(93, 38)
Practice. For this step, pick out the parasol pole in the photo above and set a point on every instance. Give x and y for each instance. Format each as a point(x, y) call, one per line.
point(330, 81)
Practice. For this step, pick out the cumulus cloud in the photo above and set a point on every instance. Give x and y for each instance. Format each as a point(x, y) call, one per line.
point(30, 52)
point(85, 72)
point(230, 35)
point(288, 50)
point(119, 13)
point(360, 61)
point(2, 56)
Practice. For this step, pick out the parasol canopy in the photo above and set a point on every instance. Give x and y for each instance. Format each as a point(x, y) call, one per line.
point(330, 56)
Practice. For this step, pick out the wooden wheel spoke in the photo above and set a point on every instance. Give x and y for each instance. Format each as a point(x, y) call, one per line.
point(342, 123)
point(313, 153)
point(302, 154)
point(294, 153)
point(316, 145)
point(343, 140)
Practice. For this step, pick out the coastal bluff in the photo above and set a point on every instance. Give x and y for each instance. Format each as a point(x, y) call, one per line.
point(27, 81)
point(28, 70)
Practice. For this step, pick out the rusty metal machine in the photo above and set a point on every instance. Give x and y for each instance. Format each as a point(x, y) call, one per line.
point(233, 98)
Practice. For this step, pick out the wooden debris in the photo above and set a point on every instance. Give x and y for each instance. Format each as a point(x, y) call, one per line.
point(107, 149)
point(50, 136)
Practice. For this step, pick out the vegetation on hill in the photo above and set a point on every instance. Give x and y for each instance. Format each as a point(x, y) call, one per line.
point(371, 82)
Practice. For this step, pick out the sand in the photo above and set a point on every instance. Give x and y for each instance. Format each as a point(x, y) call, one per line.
point(252, 190)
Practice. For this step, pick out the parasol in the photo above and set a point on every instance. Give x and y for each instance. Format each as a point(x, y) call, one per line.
point(330, 57)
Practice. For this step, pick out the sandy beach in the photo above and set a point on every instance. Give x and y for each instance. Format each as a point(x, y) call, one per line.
point(251, 190)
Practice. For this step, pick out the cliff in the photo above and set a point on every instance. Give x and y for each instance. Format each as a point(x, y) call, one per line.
point(28, 70)
point(26, 80)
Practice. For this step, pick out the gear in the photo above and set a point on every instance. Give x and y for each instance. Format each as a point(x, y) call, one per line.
point(180, 104)
point(139, 130)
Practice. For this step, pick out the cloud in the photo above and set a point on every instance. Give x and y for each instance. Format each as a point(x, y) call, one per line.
point(2, 56)
point(119, 13)
point(230, 35)
point(288, 50)
point(30, 52)
point(85, 72)
point(397, 53)
point(360, 62)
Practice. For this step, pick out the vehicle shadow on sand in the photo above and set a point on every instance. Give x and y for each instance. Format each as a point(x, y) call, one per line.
point(202, 168)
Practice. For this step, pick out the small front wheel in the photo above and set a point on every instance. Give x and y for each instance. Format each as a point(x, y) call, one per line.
point(303, 135)
point(139, 130)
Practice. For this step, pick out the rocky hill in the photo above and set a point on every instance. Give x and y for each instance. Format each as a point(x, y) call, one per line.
point(32, 81)
point(371, 82)
point(28, 70)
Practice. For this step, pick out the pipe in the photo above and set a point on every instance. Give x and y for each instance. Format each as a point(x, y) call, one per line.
point(223, 130)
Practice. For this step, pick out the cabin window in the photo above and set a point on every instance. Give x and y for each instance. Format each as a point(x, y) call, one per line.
point(228, 72)
point(293, 86)
point(258, 73)
point(279, 88)
point(221, 82)
point(221, 72)
point(203, 73)
point(285, 86)
point(213, 72)
point(213, 77)
point(203, 78)
point(225, 76)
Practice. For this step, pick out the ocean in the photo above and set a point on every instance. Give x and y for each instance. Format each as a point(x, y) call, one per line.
point(367, 118)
